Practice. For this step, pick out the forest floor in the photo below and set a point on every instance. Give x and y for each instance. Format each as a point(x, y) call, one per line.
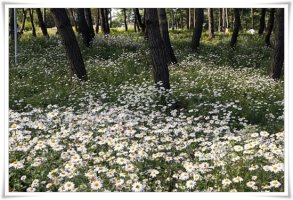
point(220, 127)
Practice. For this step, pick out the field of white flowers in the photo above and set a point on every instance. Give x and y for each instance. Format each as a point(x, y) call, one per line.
point(219, 129)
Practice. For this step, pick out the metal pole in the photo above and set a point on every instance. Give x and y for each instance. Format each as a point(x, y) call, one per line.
point(15, 36)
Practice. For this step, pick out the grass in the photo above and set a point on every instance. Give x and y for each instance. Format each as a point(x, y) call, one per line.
point(220, 97)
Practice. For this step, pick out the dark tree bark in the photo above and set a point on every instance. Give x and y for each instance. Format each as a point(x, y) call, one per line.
point(97, 21)
point(83, 27)
point(139, 21)
point(211, 23)
point(109, 11)
point(278, 54)
point(270, 27)
point(171, 58)
point(237, 24)
point(262, 21)
point(197, 29)
point(24, 12)
point(106, 11)
point(158, 54)
point(89, 21)
point(220, 21)
point(41, 22)
point(31, 13)
point(187, 18)
point(69, 42)
point(252, 18)
point(11, 23)
point(103, 21)
point(125, 19)
point(44, 16)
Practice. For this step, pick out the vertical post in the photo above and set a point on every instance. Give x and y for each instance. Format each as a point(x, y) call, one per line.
point(15, 37)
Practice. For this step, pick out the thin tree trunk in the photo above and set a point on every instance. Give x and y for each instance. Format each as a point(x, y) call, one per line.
point(220, 21)
point(103, 21)
point(41, 22)
point(11, 23)
point(106, 13)
point(227, 18)
point(89, 21)
point(44, 16)
point(278, 54)
point(211, 23)
point(71, 11)
point(194, 17)
point(270, 27)
point(31, 13)
point(24, 12)
point(237, 24)
point(187, 18)
point(262, 21)
point(125, 19)
point(97, 21)
point(158, 54)
point(139, 21)
point(224, 19)
point(110, 14)
point(165, 36)
point(69, 42)
point(252, 18)
point(83, 27)
point(197, 29)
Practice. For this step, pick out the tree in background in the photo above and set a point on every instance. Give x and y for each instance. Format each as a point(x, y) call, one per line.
point(270, 27)
point(156, 44)
point(31, 13)
point(262, 21)
point(236, 28)
point(104, 21)
point(24, 13)
point(278, 54)
point(139, 20)
point(89, 21)
point(97, 21)
point(165, 36)
point(41, 23)
point(197, 29)
point(211, 23)
point(125, 19)
point(83, 27)
point(69, 42)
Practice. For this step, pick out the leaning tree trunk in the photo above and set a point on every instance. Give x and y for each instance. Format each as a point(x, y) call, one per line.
point(31, 13)
point(83, 27)
point(69, 42)
point(158, 54)
point(262, 21)
point(11, 23)
point(139, 21)
point(211, 23)
point(41, 22)
point(197, 29)
point(125, 19)
point(270, 27)
point(89, 21)
point(165, 36)
point(24, 12)
point(278, 54)
point(97, 21)
point(237, 24)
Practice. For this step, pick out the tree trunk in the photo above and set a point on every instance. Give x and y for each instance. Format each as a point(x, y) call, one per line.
point(187, 18)
point(139, 21)
point(262, 21)
point(227, 18)
point(89, 21)
point(197, 29)
point(69, 42)
point(24, 12)
point(110, 14)
point(11, 23)
point(83, 27)
point(71, 11)
point(106, 12)
point(211, 23)
point(31, 13)
point(165, 36)
point(252, 18)
point(125, 19)
point(220, 21)
point(270, 27)
point(44, 16)
point(278, 54)
point(97, 21)
point(224, 19)
point(237, 24)
point(41, 22)
point(158, 54)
